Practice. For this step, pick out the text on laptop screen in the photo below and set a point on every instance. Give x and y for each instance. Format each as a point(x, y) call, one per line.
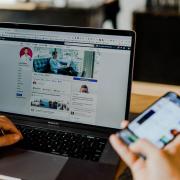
point(74, 77)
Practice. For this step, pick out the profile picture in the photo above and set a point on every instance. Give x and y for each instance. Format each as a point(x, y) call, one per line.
point(25, 55)
point(84, 89)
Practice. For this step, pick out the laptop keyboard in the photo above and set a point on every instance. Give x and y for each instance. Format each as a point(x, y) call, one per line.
point(62, 143)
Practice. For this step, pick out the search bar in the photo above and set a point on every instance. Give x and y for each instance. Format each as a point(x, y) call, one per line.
point(78, 44)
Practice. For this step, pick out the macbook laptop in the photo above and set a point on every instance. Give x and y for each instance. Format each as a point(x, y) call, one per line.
point(67, 89)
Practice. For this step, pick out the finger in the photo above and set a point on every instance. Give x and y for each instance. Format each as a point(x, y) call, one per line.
point(4, 118)
point(123, 151)
point(6, 124)
point(8, 127)
point(9, 139)
point(174, 146)
point(175, 142)
point(11, 128)
point(124, 124)
point(144, 147)
point(138, 165)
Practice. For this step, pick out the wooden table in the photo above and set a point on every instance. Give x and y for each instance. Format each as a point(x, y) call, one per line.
point(143, 95)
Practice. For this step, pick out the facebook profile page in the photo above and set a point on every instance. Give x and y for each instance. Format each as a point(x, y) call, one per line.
point(75, 77)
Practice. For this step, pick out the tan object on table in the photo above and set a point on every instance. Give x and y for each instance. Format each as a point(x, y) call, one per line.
point(19, 6)
point(143, 95)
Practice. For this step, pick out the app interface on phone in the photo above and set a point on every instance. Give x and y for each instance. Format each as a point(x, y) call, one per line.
point(160, 123)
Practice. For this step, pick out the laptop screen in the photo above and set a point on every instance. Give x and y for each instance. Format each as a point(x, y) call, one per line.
point(67, 76)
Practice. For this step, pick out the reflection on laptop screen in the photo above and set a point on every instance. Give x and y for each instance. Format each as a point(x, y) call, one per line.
point(73, 77)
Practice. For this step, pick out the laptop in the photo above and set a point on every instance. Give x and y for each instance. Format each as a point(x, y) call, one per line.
point(66, 89)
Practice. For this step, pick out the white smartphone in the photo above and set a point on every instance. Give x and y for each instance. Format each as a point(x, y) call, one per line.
point(160, 123)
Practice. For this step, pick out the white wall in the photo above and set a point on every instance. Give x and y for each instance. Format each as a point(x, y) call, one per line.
point(127, 7)
point(7, 1)
point(125, 16)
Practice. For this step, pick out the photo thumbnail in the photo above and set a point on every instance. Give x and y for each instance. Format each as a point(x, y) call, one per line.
point(64, 62)
point(25, 55)
point(51, 104)
point(84, 86)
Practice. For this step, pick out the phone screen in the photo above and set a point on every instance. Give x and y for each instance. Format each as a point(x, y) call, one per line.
point(159, 124)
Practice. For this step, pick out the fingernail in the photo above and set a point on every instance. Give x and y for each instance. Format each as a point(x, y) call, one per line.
point(132, 145)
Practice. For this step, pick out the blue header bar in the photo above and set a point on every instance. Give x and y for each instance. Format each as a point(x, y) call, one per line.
point(84, 79)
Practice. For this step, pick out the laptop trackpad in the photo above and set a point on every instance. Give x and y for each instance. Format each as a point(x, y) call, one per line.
point(30, 165)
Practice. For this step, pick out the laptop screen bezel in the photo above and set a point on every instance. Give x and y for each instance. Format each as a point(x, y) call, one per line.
point(78, 30)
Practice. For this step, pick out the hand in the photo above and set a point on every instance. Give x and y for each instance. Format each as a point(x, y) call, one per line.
point(12, 136)
point(159, 164)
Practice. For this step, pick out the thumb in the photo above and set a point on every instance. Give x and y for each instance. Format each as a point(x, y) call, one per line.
point(144, 148)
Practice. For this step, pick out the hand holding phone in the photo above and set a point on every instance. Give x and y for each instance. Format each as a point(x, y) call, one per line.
point(159, 124)
point(159, 164)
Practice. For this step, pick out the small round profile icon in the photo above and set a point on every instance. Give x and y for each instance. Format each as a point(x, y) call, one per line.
point(84, 89)
point(25, 55)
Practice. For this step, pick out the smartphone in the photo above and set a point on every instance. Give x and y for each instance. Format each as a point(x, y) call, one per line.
point(160, 123)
